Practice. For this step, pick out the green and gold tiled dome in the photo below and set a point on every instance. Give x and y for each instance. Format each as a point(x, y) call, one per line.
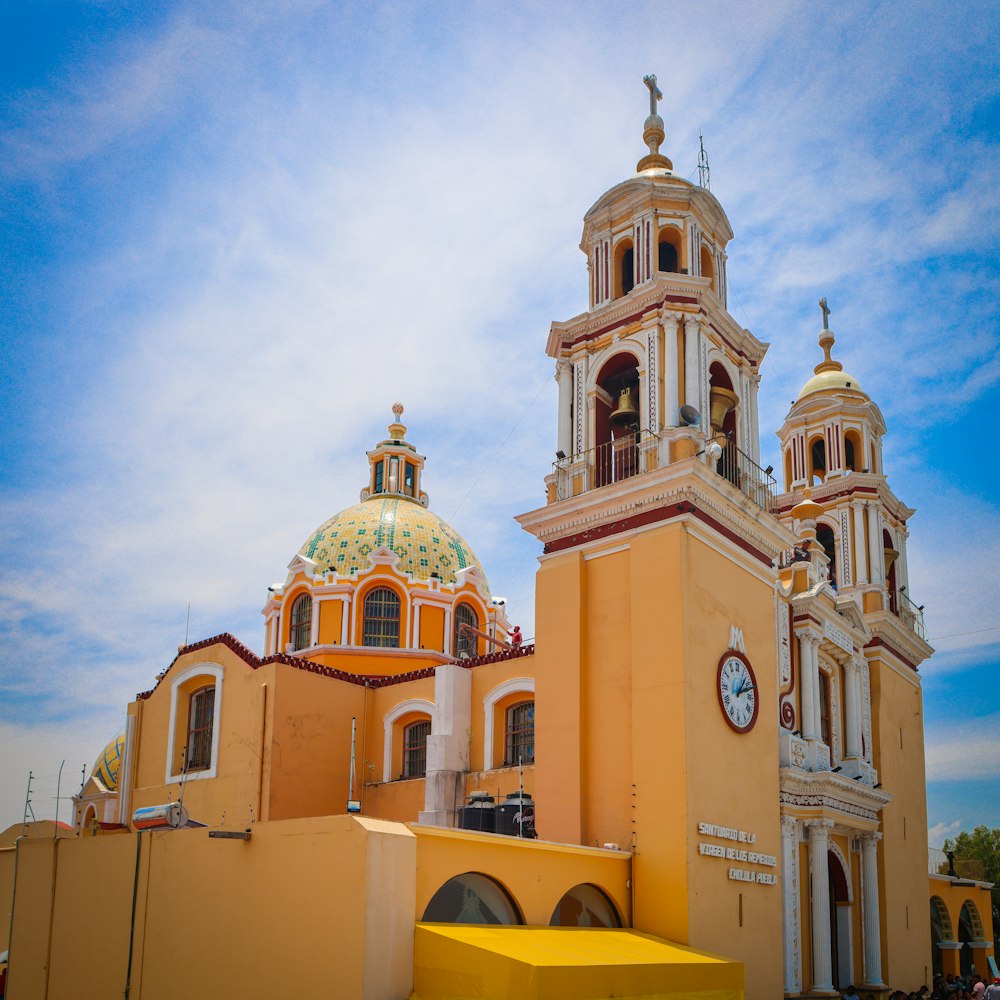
point(108, 765)
point(424, 543)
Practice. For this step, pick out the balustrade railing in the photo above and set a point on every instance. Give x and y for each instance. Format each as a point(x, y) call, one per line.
point(637, 452)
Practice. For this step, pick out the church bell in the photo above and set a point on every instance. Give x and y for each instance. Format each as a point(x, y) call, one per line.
point(722, 401)
point(626, 412)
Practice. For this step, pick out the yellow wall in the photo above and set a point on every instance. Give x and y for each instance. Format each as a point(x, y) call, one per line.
point(954, 897)
point(535, 873)
point(304, 907)
point(897, 714)
point(645, 748)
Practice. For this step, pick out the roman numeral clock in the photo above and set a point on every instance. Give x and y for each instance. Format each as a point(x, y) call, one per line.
point(737, 688)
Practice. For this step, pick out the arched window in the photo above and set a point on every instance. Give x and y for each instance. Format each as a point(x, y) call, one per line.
point(615, 457)
point(300, 634)
point(624, 268)
point(464, 643)
point(707, 269)
point(520, 735)
point(667, 256)
point(817, 460)
point(201, 714)
point(585, 906)
point(381, 618)
point(825, 537)
point(415, 749)
point(854, 453)
point(472, 899)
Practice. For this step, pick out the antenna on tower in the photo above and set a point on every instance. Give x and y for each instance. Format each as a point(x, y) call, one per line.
point(704, 174)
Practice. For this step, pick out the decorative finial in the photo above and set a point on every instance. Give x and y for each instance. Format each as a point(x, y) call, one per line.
point(653, 134)
point(826, 341)
point(397, 429)
point(704, 174)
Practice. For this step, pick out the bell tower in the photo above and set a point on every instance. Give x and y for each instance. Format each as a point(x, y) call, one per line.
point(656, 596)
point(656, 362)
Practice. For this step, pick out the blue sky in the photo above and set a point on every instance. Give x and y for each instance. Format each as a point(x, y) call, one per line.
point(234, 234)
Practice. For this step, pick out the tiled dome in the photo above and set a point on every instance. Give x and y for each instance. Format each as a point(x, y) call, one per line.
point(424, 543)
point(108, 764)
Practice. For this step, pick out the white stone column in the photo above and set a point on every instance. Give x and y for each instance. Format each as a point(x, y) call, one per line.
point(902, 569)
point(580, 408)
point(692, 368)
point(861, 549)
point(876, 558)
point(447, 633)
point(670, 371)
point(345, 619)
point(564, 376)
point(809, 681)
point(314, 623)
point(753, 448)
point(819, 868)
point(415, 640)
point(790, 904)
point(869, 909)
point(852, 709)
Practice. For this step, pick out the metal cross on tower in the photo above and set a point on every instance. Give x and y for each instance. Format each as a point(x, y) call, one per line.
point(826, 313)
point(654, 93)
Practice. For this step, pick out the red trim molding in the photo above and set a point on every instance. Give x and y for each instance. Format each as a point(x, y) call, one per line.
point(879, 641)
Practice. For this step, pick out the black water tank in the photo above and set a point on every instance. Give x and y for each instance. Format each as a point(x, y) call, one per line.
point(516, 815)
point(480, 813)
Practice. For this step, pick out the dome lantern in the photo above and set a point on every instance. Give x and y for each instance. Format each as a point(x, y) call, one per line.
point(394, 465)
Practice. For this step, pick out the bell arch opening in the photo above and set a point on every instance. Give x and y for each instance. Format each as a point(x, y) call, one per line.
point(624, 271)
point(616, 420)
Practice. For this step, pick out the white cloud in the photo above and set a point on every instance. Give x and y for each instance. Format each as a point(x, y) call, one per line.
point(940, 832)
point(964, 750)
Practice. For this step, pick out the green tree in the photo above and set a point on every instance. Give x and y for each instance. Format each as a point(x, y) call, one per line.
point(977, 855)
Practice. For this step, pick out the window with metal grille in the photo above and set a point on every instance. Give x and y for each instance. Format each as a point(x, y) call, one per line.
point(381, 624)
point(520, 733)
point(415, 749)
point(379, 474)
point(465, 643)
point(410, 479)
point(300, 634)
point(201, 716)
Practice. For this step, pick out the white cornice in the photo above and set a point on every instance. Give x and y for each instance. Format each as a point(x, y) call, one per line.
point(849, 482)
point(687, 481)
point(832, 792)
point(893, 632)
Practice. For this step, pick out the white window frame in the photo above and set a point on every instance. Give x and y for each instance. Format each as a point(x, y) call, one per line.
point(207, 670)
point(403, 708)
point(516, 685)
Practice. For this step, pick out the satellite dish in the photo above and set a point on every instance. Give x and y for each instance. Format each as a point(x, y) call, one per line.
point(690, 417)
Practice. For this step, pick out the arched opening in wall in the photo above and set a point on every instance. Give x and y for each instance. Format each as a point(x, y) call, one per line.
point(890, 555)
point(465, 644)
point(300, 629)
point(201, 719)
point(827, 539)
point(624, 272)
point(840, 923)
point(873, 463)
point(970, 928)
point(381, 618)
point(853, 450)
point(825, 718)
point(817, 460)
point(941, 930)
point(723, 403)
point(472, 899)
point(519, 734)
point(788, 470)
point(668, 249)
point(707, 267)
point(585, 905)
point(89, 827)
point(616, 420)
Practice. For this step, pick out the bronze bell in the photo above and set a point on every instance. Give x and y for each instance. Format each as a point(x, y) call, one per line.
point(626, 412)
point(722, 401)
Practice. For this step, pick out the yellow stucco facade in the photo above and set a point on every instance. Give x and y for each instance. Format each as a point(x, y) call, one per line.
point(704, 777)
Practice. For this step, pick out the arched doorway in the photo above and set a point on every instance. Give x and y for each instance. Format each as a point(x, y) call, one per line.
point(941, 930)
point(723, 403)
point(616, 433)
point(827, 539)
point(970, 928)
point(841, 957)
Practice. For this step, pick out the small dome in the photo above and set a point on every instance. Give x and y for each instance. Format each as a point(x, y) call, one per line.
point(830, 380)
point(108, 765)
point(424, 543)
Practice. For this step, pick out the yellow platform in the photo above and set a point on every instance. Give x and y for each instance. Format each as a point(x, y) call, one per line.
point(461, 962)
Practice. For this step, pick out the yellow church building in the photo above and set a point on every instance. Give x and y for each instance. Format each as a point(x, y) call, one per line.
point(704, 778)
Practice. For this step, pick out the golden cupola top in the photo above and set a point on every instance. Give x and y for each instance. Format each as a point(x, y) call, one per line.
point(829, 374)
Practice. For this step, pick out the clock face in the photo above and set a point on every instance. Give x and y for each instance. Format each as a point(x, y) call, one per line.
point(738, 693)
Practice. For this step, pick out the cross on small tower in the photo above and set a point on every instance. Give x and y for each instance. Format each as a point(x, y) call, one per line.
point(826, 313)
point(654, 93)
